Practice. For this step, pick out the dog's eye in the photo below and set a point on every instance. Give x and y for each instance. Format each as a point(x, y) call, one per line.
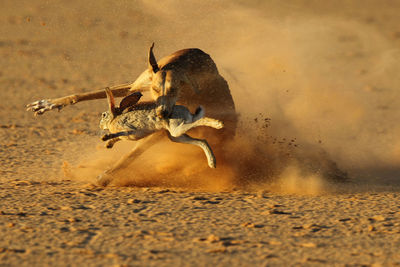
point(104, 115)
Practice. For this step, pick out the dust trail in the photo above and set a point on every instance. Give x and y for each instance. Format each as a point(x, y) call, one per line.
point(329, 85)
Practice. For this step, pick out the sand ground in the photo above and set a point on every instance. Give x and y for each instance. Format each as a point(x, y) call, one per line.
point(307, 50)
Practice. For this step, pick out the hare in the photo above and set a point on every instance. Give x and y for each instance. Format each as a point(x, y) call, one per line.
point(131, 121)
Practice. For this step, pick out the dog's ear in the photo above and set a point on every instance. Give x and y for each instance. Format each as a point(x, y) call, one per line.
point(111, 102)
point(129, 101)
point(152, 60)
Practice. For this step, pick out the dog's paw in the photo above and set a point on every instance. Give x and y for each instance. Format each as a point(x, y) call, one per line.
point(104, 179)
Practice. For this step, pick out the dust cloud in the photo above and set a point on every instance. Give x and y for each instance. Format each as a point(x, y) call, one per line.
point(317, 97)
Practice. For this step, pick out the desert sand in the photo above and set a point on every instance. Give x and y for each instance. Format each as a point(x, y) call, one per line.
point(316, 85)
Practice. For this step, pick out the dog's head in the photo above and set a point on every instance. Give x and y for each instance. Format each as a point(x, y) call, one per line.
point(163, 87)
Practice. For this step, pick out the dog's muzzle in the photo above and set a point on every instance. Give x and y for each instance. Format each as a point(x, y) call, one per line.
point(163, 112)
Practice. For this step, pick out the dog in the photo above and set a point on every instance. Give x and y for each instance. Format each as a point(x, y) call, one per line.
point(188, 77)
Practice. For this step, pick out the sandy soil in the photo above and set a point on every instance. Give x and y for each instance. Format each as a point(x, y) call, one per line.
point(325, 73)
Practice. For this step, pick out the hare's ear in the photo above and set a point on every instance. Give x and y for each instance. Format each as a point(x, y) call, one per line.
point(111, 102)
point(152, 60)
point(129, 100)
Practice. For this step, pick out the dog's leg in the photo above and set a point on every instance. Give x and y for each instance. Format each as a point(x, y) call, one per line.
point(142, 84)
point(105, 178)
point(186, 139)
point(41, 106)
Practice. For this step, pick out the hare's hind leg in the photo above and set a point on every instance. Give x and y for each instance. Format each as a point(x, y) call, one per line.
point(210, 122)
point(186, 139)
point(181, 129)
point(106, 177)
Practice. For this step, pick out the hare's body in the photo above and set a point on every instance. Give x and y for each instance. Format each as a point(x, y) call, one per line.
point(142, 120)
point(138, 121)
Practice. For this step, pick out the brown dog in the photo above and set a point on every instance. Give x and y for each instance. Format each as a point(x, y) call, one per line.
point(188, 77)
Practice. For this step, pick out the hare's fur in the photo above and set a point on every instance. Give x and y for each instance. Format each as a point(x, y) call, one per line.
point(142, 120)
